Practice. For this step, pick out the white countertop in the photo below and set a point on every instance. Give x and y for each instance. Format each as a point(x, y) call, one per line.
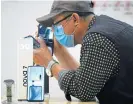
point(56, 96)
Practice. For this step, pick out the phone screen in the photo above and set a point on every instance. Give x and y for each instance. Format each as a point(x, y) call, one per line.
point(36, 78)
point(45, 32)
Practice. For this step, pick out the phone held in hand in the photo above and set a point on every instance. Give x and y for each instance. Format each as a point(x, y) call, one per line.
point(48, 36)
point(36, 44)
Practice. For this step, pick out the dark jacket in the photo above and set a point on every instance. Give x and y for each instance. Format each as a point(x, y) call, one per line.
point(118, 89)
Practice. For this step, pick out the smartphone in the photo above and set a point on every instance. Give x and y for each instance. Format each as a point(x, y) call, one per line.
point(36, 44)
point(48, 36)
point(35, 87)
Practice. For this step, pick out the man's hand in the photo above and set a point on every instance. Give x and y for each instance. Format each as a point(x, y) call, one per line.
point(65, 59)
point(60, 52)
point(42, 55)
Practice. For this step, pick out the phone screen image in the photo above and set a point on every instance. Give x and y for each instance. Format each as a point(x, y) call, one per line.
point(48, 36)
point(35, 89)
point(45, 32)
point(35, 92)
point(42, 31)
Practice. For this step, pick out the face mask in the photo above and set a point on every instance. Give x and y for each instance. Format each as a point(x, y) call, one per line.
point(62, 38)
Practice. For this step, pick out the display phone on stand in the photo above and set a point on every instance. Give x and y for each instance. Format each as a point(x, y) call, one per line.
point(36, 83)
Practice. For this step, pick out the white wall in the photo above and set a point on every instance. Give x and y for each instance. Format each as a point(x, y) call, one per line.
point(18, 20)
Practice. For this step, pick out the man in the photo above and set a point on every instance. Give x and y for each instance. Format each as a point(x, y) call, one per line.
point(106, 61)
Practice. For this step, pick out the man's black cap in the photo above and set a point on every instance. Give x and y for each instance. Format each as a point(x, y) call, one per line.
point(60, 6)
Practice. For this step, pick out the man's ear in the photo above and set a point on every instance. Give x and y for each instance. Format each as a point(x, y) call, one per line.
point(76, 18)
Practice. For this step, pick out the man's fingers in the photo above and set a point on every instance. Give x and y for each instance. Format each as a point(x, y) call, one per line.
point(42, 42)
point(36, 51)
point(36, 34)
point(36, 61)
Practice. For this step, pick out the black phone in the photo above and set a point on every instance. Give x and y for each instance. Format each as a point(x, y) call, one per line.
point(36, 83)
point(36, 44)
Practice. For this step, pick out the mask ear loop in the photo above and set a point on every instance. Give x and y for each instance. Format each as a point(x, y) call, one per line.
point(75, 28)
point(73, 34)
point(67, 23)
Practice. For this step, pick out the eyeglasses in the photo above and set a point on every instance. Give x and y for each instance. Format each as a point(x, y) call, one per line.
point(61, 20)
